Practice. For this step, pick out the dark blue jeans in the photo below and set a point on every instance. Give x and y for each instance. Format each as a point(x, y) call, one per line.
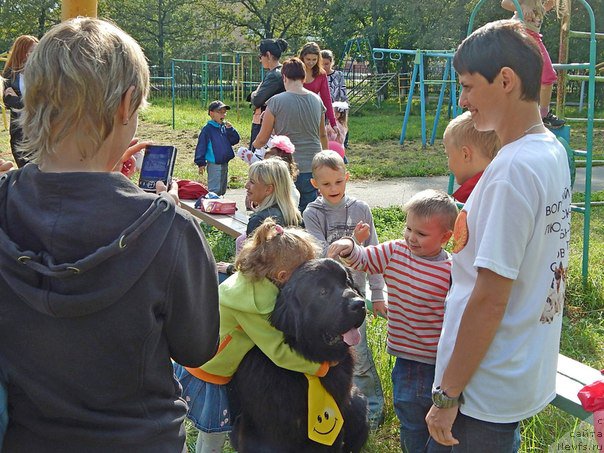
point(412, 393)
point(477, 436)
point(307, 191)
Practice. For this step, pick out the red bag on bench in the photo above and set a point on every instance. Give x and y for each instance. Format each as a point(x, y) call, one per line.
point(217, 206)
point(191, 190)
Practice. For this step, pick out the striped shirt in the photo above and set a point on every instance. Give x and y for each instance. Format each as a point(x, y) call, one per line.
point(417, 288)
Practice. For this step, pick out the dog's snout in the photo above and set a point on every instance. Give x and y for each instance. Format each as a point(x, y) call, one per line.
point(357, 304)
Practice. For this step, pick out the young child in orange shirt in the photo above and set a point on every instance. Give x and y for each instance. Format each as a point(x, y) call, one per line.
point(468, 151)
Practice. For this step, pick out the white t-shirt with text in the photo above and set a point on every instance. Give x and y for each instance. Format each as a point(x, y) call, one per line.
point(516, 223)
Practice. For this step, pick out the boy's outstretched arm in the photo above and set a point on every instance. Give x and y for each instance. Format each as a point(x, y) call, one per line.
point(340, 248)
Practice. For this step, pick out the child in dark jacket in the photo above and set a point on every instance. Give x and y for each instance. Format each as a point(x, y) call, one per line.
point(215, 147)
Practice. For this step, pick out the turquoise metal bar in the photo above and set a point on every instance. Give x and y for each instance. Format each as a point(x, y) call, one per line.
point(409, 100)
point(570, 66)
point(173, 96)
point(441, 96)
point(220, 76)
point(422, 96)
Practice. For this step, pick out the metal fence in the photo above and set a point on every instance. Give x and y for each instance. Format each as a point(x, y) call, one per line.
point(228, 77)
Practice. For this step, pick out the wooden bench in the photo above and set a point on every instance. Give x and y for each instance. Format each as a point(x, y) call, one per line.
point(571, 377)
point(232, 224)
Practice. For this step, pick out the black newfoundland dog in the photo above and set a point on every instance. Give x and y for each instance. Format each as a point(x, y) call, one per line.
point(319, 311)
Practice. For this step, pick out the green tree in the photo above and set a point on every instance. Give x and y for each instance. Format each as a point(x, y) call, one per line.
point(164, 28)
point(259, 19)
point(26, 17)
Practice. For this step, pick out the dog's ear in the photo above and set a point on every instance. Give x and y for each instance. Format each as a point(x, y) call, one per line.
point(286, 316)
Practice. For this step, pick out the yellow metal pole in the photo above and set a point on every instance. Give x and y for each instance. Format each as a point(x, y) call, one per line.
point(75, 8)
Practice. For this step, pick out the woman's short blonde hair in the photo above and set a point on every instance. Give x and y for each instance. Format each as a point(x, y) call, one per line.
point(76, 78)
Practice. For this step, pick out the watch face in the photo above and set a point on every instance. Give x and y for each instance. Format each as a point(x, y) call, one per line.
point(442, 401)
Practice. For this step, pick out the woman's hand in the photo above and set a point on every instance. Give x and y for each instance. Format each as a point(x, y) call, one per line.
point(380, 308)
point(161, 187)
point(5, 165)
point(135, 147)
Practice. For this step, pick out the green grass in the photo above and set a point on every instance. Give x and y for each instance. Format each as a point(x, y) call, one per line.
point(191, 114)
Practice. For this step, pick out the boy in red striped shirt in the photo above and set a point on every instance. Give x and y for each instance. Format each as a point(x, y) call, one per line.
point(417, 272)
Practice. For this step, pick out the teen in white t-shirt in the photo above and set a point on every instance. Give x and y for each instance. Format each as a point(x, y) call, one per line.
point(497, 355)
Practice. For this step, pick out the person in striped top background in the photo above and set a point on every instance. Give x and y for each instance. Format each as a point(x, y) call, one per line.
point(417, 272)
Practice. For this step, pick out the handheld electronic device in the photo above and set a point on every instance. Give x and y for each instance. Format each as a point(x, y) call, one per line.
point(158, 165)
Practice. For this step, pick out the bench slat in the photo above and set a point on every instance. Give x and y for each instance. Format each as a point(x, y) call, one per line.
point(573, 376)
point(232, 224)
point(577, 371)
point(567, 400)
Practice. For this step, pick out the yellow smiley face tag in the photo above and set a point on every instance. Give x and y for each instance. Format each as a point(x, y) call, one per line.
point(325, 420)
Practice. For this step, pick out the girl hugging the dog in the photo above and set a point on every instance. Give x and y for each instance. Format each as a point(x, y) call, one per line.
point(247, 299)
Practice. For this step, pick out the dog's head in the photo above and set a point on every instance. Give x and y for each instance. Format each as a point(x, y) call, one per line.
point(320, 310)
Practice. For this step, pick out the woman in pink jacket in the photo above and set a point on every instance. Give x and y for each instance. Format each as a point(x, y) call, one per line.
point(316, 78)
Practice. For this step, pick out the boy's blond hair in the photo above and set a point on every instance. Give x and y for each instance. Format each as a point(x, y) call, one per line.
point(76, 78)
point(328, 158)
point(434, 203)
point(462, 132)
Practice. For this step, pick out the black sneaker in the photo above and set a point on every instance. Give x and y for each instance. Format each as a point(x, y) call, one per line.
point(551, 120)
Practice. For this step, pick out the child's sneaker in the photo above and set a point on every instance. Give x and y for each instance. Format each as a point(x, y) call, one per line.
point(551, 120)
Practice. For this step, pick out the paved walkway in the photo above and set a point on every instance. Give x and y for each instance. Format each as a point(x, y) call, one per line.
point(397, 191)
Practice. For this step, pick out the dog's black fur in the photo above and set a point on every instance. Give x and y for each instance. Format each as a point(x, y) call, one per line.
point(317, 305)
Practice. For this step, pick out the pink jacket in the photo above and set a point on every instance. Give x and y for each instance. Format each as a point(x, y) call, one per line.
point(321, 87)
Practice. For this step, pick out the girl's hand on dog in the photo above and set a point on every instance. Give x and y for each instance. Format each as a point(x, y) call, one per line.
point(222, 267)
point(380, 308)
point(340, 248)
point(361, 232)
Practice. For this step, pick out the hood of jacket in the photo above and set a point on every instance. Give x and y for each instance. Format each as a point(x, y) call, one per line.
point(242, 294)
point(72, 244)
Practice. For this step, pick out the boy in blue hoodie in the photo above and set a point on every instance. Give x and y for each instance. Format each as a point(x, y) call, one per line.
point(215, 147)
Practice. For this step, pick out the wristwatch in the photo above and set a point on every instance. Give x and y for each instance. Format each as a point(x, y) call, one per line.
point(444, 401)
